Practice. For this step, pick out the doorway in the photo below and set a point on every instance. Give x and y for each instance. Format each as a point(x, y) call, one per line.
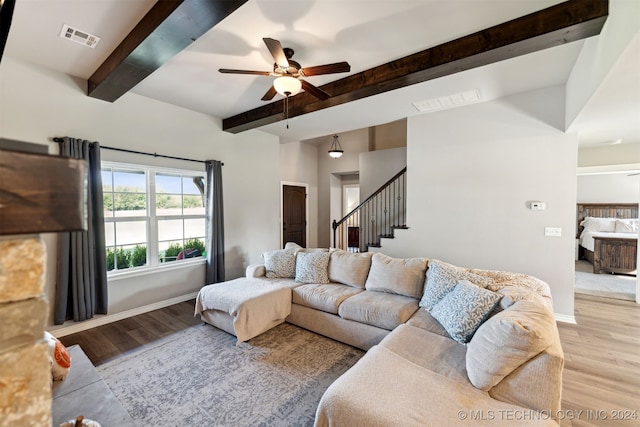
point(603, 189)
point(294, 214)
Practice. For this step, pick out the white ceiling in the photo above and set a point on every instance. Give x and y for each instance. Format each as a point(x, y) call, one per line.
point(366, 33)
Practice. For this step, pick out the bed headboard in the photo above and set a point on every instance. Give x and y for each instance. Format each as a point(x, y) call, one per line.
point(605, 210)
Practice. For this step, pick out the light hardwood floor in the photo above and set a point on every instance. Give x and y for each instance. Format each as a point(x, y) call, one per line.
point(602, 352)
point(602, 362)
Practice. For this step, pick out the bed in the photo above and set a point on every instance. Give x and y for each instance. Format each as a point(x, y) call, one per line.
point(608, 236)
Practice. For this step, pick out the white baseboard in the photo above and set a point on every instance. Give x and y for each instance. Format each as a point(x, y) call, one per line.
point(109, 318)
point(565, 318)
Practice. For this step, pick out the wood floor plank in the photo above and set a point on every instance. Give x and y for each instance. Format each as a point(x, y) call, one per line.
point(602, 357)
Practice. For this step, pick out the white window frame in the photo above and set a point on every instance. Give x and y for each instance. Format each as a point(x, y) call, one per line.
point(153, 262)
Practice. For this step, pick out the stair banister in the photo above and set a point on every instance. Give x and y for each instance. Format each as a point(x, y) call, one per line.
point(386, 221)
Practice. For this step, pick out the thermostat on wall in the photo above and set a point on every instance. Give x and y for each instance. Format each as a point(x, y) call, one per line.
point(538, 206)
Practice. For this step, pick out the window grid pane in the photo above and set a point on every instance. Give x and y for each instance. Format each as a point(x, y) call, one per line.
point(143, 203)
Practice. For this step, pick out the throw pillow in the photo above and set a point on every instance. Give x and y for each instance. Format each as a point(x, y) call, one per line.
point(626, 226)
point(280, 263)
point(58, 356)
point(402, 276)
point(311, 267)
point(443, 277)
point(508, 340)
point(292, 245)
point(462, 310)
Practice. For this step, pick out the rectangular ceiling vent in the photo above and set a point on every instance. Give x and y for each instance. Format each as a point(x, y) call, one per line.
point(79, 36)
point(451, 101)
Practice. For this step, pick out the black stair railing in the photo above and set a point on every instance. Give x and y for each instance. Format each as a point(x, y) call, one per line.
point(374, 218)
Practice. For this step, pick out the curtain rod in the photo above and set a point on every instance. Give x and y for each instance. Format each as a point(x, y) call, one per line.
point(57, 139)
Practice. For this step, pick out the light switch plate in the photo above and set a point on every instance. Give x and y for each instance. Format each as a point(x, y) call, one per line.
point(553, 231)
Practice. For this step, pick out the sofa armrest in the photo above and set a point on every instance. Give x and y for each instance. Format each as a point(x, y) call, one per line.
point(255, 270)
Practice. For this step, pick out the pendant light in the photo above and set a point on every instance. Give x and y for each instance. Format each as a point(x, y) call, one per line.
point(336, 150)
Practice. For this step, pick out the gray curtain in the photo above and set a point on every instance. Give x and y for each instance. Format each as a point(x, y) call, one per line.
point(81, 285)
point(215, 224)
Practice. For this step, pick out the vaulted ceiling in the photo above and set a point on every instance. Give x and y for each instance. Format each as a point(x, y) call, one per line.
point(400, 52)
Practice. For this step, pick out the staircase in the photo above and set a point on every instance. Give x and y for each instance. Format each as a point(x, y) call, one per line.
point(375, 218)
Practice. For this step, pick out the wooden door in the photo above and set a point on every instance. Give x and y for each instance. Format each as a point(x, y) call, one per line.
point(294, 215)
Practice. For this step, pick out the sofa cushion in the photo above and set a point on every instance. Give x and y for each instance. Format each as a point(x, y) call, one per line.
point(378, 309)
point(385, 389)
point(426, 349)
point(424, 320)
point(507, 340)
point(443, 277)
point(536, 384)
point(312, 267)
point(323, 297)
point(463, 310)
point(280, 263)
point(402, 276)
point(350, 268)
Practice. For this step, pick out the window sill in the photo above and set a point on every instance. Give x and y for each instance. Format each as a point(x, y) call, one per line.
point(145, 271)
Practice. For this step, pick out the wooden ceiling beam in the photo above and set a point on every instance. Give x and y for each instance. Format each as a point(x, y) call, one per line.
point(168, 28)
point(563, 23)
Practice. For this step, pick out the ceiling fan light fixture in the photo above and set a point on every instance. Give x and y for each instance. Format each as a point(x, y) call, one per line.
point(287, 85)
point(336, 150)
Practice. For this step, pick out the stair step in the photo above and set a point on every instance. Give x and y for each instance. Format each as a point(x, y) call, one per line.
point(400, 227)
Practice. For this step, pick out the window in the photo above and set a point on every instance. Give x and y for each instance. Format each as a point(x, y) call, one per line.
point(152, 215)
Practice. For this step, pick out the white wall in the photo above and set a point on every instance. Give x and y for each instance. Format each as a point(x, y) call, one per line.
point(378, 167)
point(600, 53)
point(36, 105)
point(622, 154)
point(299, 164)
point(329, 182)
point(608, 188)
point(468, 189)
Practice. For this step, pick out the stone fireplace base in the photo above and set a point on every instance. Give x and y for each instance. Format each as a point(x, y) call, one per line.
point(25, 371)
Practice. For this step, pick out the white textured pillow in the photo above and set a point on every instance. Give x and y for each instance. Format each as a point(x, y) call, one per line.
point(507, 340)
point(626, 226)
point(280, 263)
point(402, 276)
point(311, 267)
point(292, 245)
point(591, 223)
point(443, 277)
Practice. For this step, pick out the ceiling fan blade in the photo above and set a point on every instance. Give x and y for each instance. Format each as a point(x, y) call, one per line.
point(313, 90)
point(259, 73)
point(277, 52)
point(338, 67)
point(270, 94)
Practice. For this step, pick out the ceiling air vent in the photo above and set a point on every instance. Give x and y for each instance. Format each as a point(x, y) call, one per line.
point(79, 36)
point(446, 102)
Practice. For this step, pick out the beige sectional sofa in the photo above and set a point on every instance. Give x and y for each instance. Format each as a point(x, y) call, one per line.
point(445, 345)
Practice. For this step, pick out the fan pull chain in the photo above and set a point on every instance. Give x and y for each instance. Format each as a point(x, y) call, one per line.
point(286, 110)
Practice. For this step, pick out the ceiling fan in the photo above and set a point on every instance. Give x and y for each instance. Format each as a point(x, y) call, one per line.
point(289, 73)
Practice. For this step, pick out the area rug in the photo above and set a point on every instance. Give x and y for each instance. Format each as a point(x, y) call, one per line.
point(200, 377)
point(616, 286)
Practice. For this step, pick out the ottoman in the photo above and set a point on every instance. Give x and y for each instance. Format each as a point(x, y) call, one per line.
point(244, 307)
